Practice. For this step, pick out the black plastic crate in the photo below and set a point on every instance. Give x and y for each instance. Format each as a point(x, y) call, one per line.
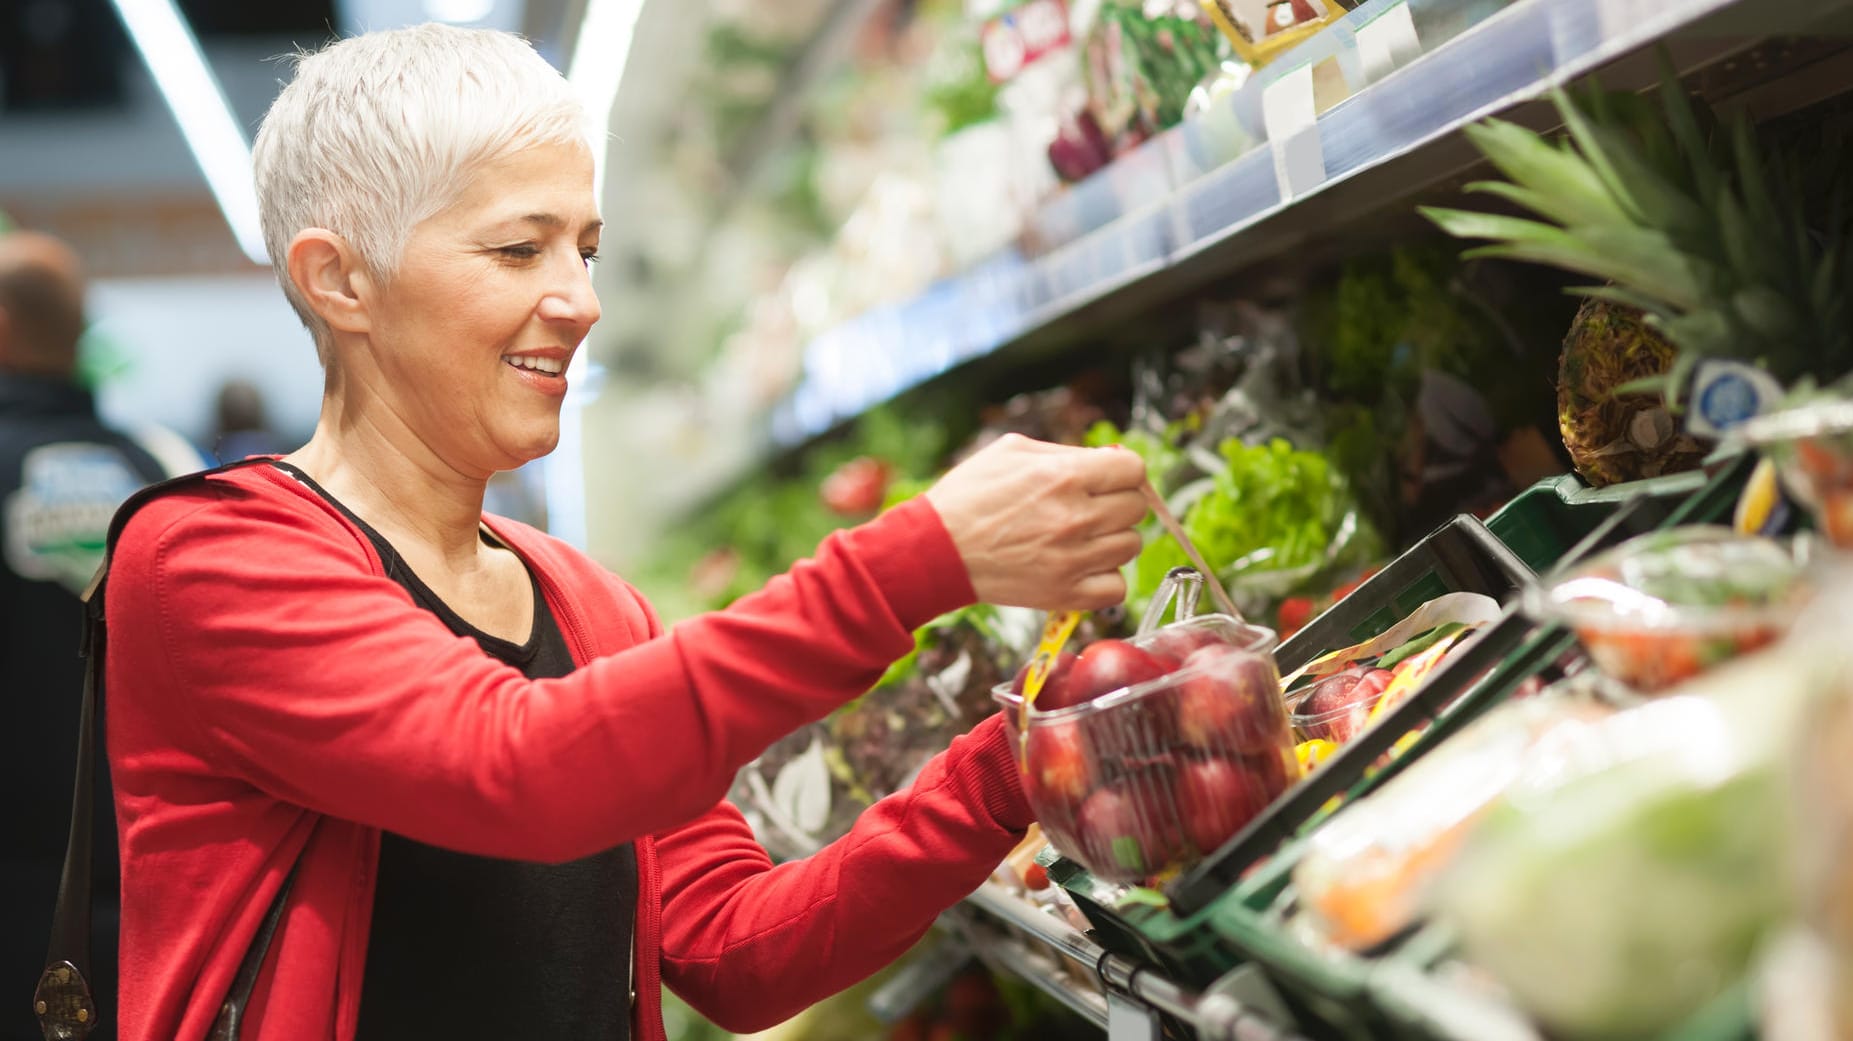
point(1460, 556)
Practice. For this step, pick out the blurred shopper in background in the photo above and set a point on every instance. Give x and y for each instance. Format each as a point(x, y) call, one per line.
point(464, 770)
point(62, 475)
point(243, 424)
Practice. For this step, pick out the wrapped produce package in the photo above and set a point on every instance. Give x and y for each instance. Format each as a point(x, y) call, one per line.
point(1629, 876)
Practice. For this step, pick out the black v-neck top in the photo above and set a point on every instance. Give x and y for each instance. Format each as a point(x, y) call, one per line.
point(465, 947)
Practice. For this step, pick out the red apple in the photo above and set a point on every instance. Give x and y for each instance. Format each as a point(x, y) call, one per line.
point(1107, 666)
point(1128, 830)
point(1339, 706)
point(1053, 686)
point(1057, 778)
point(1174, 643)
point(1215, 798)
point(1273, 771)
point(1228, 702)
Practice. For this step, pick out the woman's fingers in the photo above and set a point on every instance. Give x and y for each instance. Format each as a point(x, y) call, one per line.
point(1117, 511)
point(1111, 552)
point(1113, 469)
point(1037, 524)
point(1096, 591)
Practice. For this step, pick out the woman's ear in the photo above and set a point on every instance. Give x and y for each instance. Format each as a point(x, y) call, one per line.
point(330, 276)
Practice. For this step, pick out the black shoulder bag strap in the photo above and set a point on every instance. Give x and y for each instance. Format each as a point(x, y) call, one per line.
point(66, 1008)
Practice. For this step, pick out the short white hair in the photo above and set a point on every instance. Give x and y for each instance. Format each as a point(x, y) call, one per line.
point(379, 132)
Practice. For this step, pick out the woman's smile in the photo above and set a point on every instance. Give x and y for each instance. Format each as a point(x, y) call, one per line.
point(541, 371)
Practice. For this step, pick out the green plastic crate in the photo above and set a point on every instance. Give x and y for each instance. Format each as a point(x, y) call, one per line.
point(1545, 520)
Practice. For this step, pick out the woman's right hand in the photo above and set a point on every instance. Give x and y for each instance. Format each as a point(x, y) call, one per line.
point(1043, 525)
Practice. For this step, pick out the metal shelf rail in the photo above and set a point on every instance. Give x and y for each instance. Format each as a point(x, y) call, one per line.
point(1228, 190)
point(1132, 996)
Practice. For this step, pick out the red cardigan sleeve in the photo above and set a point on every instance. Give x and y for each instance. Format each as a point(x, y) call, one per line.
point(749, 944)
point(260, 636)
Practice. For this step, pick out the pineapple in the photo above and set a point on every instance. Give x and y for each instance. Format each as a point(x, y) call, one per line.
point(1616, 436)
point(1705, 233)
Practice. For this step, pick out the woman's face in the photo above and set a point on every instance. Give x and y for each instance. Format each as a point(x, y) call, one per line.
point(474, 332)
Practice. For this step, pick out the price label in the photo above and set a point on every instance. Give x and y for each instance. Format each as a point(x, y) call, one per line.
point(1017, 39)
point(1387, 42)
point(1291, 116)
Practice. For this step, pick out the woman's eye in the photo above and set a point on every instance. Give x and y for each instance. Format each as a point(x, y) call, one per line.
point(520, 251)
point(588, 255)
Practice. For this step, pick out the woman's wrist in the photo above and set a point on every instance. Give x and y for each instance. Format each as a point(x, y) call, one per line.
point(913, 561)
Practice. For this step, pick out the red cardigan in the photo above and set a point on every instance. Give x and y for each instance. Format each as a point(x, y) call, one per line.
point(271, 692)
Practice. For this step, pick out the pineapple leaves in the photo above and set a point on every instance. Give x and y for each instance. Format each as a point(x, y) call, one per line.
point(1645, 194)
point(1649, 262)
point(1683, 119)
point(1467, 224)
point(1729, 244)
point(1766, 312)
point(1552, 181)
point(1740, 241)
point(1633, 256)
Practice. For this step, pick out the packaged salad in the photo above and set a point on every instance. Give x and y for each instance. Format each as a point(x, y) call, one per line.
point(1668, 605)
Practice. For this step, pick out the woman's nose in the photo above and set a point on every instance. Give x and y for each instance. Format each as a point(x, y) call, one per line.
point(571, 297)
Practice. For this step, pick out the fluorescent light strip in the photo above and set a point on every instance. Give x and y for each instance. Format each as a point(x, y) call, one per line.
point(206, 121)
point(600, 53)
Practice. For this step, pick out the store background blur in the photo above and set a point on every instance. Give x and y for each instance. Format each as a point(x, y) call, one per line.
point(92, 152)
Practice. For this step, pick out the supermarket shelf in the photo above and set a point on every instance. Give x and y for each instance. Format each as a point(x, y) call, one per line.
point(1216, 195)
point(1130, 996)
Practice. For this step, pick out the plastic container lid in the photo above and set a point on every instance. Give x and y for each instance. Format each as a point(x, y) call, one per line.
point(1692, 579)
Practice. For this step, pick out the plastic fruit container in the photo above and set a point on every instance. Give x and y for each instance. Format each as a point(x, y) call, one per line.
point(1666, 606)
point(1151, 776)
point(1812, 447)
point(1337, 707)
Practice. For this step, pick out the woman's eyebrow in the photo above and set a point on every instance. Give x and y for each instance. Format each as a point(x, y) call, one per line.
point(553, 221)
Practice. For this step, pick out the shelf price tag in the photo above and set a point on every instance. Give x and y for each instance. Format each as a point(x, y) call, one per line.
point(1387, 42)
point(1129, 1020)
point(1290, 114)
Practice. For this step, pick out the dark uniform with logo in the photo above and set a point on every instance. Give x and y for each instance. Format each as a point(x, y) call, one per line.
point(62, 475)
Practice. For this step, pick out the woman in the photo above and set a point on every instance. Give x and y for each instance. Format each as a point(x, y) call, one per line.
point(496, 779)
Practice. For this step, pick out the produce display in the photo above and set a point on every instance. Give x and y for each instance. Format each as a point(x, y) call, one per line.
point(1366, 874)
point(1269, 517)
point(942, 690)
point(1581, 866)
point(1812, 444)
point(1665, 606)
point(1336, 696)
point(1141, 62)
point(1143, 755)
point(1642, 863)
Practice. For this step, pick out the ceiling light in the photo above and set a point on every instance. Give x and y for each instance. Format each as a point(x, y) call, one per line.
point(206, 121)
